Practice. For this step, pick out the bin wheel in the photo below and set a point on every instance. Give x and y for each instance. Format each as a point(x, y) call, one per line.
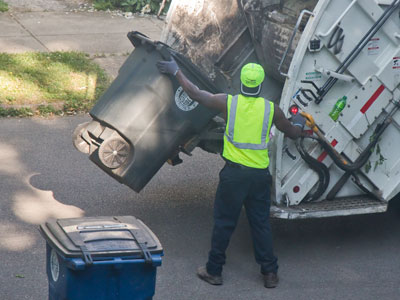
point(81, 144)
point(114, 152)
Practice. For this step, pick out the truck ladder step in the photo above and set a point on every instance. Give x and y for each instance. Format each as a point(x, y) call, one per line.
point(330, 208)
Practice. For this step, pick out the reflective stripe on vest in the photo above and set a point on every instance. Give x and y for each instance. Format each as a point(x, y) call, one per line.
point(231, 127)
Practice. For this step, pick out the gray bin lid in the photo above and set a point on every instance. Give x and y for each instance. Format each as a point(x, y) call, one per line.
point(101, 236)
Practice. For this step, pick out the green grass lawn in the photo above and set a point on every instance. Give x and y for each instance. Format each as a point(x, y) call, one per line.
point(44, 80)
point(147, 6)
point(3, 6)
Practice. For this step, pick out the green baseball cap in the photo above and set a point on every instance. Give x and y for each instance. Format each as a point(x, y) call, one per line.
point(252, 75)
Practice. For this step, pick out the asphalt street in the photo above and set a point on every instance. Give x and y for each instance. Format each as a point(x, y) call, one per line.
point(42, 176)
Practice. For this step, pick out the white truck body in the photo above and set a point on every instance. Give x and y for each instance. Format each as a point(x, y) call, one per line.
point(362, 35)
point(371, 84)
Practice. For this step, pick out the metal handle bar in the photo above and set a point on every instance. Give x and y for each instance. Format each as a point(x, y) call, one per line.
point(292, 37)
point(334, 74)
point(308, 97)
point(311, 82)
point(357, 50)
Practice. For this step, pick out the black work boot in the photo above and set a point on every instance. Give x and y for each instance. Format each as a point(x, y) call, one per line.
point(270, 280)
point(211, 279)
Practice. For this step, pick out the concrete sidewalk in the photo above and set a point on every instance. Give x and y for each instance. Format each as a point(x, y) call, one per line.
point(96, 33)
point(91, 32)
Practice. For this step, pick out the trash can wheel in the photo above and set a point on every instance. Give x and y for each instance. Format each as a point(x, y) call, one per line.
point(79, 142)
point(114, 152)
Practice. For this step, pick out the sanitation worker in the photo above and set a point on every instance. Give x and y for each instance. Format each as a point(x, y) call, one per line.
point(245, 179)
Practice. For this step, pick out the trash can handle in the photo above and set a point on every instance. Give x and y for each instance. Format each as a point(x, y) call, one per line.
point(163, 50)
point(86, 255)
point(77, 240)
point(141, 243)
point(143, 247)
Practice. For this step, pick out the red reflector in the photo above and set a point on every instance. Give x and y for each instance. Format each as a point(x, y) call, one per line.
point(296, 189)
point(294, 109)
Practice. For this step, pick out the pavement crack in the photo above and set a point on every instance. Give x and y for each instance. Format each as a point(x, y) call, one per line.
point(30, 33)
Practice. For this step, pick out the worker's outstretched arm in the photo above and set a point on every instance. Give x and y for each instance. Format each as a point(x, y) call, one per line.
point(214, 101)
point(291, 130)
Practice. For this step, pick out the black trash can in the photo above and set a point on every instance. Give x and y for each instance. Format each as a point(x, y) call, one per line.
point(144, 117)
point(102, 258)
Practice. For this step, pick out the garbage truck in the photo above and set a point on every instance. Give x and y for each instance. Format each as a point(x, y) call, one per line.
point(336, 62)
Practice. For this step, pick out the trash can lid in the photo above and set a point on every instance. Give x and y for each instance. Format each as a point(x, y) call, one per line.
point(101, 236)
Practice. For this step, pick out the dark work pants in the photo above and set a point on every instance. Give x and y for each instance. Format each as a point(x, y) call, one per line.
point(251, 188)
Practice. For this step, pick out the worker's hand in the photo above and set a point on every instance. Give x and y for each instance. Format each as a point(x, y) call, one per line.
point(298, 120)
point(168, 67)
point(309, 120)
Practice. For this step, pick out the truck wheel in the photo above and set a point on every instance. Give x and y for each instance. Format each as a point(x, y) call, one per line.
point(78, 141)
point(114, 152)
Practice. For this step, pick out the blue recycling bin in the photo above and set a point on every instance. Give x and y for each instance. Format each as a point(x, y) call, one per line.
point(101, 258)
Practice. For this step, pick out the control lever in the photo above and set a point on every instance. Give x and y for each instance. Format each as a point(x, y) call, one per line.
point(308, 93)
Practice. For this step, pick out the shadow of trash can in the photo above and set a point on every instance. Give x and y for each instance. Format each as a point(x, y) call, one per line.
point(144, 117)
point(102, 258)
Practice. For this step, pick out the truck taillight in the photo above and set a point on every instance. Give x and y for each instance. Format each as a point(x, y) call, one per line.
point(294, 109)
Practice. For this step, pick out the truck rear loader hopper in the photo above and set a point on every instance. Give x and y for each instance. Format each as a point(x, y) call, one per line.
point(314, 53)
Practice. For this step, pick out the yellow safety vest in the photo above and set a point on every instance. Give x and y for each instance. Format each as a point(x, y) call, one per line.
point(246, 138)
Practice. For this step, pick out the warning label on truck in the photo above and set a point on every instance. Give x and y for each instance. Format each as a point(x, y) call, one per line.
point(183, 101)
point(373, 46)
point(396, 63)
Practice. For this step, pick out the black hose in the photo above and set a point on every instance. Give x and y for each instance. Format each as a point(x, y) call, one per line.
point(336, 40)
point(338, 186)
point(364, 156)
point(318, 167)
point(322, 170)
point(350, 169)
